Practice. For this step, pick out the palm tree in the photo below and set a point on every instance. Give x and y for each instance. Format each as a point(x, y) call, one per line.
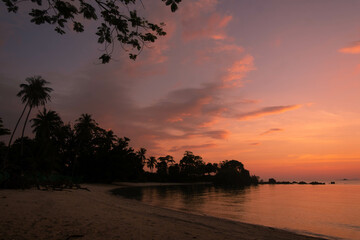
point(3, 130)
point(105, 140)
point(151, 163)
point(170, 159)
point(33, 94)
point(45, 124)
point(141, 154)
point(86, 127)
point(86, 130)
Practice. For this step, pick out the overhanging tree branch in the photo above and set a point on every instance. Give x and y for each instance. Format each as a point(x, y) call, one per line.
point(118, 21)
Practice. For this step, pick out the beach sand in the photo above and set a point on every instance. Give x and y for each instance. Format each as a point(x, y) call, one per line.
point(97, 214)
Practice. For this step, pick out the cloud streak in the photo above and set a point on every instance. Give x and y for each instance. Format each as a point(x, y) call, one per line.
point(272, 130)
point(266, 111)
point(192, 147)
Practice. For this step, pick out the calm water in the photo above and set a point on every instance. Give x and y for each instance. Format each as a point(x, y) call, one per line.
point(331, 211)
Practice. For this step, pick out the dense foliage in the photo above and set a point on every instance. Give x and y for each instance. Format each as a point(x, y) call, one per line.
point(63, 153)
point(118, 21)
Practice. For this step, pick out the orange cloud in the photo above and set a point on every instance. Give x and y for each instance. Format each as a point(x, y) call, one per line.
point(218, 37)
point(267, 111)
point(238, 71)
point(353, 48)
point(272, 130)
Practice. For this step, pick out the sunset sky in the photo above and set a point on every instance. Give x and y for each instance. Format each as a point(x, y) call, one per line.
point(273, 84)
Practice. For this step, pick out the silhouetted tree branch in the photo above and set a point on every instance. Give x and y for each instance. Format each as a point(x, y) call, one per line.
point(118, 21)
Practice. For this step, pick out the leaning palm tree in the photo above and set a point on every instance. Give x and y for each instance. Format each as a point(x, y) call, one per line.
point(45, 124)
point(34, 93)
point(151, 163)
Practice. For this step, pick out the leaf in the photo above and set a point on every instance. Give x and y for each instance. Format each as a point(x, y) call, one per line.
point(132, 56)
point(78, 27)
point(174, 7)
point(61, 22)
point(105, 58)
point(59, 30)
point(120, 22)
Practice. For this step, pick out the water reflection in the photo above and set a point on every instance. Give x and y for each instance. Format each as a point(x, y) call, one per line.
point(194, 198)
point(329, 210)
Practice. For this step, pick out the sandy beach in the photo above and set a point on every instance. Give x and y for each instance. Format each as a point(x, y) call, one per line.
point(97, 214)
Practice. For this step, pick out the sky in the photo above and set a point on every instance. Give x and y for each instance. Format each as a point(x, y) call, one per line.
point(271, 83)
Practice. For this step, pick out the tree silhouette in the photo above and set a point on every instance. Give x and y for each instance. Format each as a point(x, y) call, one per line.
point(119, 21)
point(211, 168)
point(104, 140)
point(192, 165)
point(151, 163)
point(3, 130)
point(141, 153)
point(66, 147)
point(162, 166)
point(46, 124)
point(34, 93)
point(233, 164)
point(86, 129)
point(233, 173)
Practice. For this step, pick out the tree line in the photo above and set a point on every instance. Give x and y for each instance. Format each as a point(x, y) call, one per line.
point(61, 153)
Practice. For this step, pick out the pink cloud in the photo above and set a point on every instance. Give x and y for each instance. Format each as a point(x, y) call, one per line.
point(353, 48)
point(267, 111)
point(206, 54)
point(249, 101)
point(201, 20)
point(213, 27)
point(196, 8)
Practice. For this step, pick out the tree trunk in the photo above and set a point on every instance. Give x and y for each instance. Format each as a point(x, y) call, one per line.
point(23, 130)
point(12, 135)
point(5, 162)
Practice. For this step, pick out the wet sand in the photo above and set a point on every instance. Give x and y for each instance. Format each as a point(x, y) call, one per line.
point(97, 214)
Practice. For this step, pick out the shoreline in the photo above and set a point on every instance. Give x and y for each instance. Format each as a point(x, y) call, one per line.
point(98, 214)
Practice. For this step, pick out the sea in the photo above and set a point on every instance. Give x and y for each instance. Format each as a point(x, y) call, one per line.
point(329, 211)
